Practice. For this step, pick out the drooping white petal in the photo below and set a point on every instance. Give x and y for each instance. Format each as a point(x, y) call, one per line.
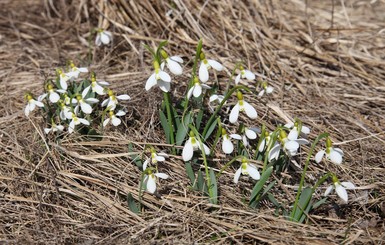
point(115, 121)
point(39, 104)
point(328, 190)
point(84, 121)
point(274, 152)
point(203, 73)
point(269, 90)
point(188, 151)
point(197, 90)
point(205, 86)
point(262, 145)
point(177, 59)
point(83, 69)
point(261, 93)
point(250, 134)
point(293, 134)
point(86, 108)
point(151, 81)
point(41, 97)
point(213, 98)
point(98, 40)
point(245, 142)
point(234, 113)
point(237, 78)
point(305, 130)
point(253, 172)
point(123, 97)
point(71, 126)
point(249, 75)
point(206, 149)
point(348, 185)
point(250, 111)
point(227, 146)
point(92, 100)
point(160, 158)
point(237, 175)
point(318, 157)
point(236, 136)
point(289, 125)
point(174, 67)
point(339, 151)
point(120, 113)
point(103, 83)
point(105, 102)
point(161, 175)
point(215, 64)
point(106, 122)
point(26, 110)
point(145, 164)
point(164, 76)
point(98, 89)
point(341, 192)
point(164, 86)
point(291, 145)
point(60, 127)
point(104, 37)
point(85, 91)
point(63, 83)
point(32, 105)
point(302, 141)
point(151, 184)
point(335, 157)
point(47, 130)
point(190, 91)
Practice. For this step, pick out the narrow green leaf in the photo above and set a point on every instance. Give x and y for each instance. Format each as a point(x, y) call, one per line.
point(190, 173)
point(132, 204)
point(164, 123)
point(183, 129)
point(201, 184)
point(135, 158)
point(214, 187)
point(319, 203)
point(303, 203)
point(258, 187)
point(199, 120)
point(210, 130)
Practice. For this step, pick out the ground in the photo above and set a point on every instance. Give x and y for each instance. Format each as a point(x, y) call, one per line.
point(325, 60)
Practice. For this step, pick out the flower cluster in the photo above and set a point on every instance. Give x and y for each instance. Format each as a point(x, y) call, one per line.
point(71, 100)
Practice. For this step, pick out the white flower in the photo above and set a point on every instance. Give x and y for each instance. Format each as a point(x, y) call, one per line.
point(96, 87)
point(196, 89)
point(112, 117)
point(244, 74)
point(242, 106)
point(31, 104)
point(290, 146)
point(52, 95)
point(247, 135)
point(247, 169)
point(156, 157)
point(76, 121)
point(112, 100)
point(172, 63)
point(340, 188)
point(84, 103)
point(333, 154)
point(55, 128)
point(215, 97)
point(265, 142)
point(227, 145)
point(63, 78)
point(205, 66)
point(66, 98)
point(192, 145)
point(265, 89)
point(103, 36)
point(75, 71)
point(150, 178)
point(65, 111)
point(294, 132)
point(160, 78)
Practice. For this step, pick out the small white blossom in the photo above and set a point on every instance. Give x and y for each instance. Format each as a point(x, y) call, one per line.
point(227, 145)
point(65, 111)
point(75, 71)
point(290, 146)
point(196, 89)
point(244, 74)
point(85, 104)
point(266, 89)
point(205, 66)
point(103, 36)
point(96, 87)
point(76, 121)
point(52, 95)
point(215, 97)
point(54, 128)
point(294, 132)
point(247, 169)
point(31, 104)
point(192, 145)
point(173, 63)
point(63, 78)
point(242, 106)
point(156, 157)
point(340, 188)
point(247, 135)
point(265, 142)
point(150, 178)
point(333, 154)
point(112, 100)
point(113, 118)
point(160, 78)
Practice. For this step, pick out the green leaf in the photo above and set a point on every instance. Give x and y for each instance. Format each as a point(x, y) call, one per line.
point(183, 129)
point(214, 187)
point(164, 123)
point(201, 184)
point(319, 203)
point(190, 173)
point(258, 187)
point(210, 130)
point(150, 50)
point(132, 204)
point(135, 158)
point(199, 120)
point(303, 203)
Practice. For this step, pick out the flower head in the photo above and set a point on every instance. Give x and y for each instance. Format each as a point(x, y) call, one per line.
point(150, 178)
point(96, 87)
point(76, 121)
point(160, 78)
point(247, 134)
point(244, 74)
point(227, 145)
point(247, 169)
point(52, 95)
point(31, 104)
point(206, 65)
point(173, 63)
point(333, 154)
point(340, 188)
point(54, 128)
point(267, 137)
point(85, 104)
point(75, 71)
point(266, 89)
point(113, 118)
point(290, 146)
point(296, 127)
point(192, 145)
point(103, 36)
point(65, 111)
point(156, 157)
point(196, 89)
point(112, 100)
point(63, 78)
point(242, 106)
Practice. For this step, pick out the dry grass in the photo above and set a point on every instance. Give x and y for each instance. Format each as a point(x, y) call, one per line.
point(325, 61)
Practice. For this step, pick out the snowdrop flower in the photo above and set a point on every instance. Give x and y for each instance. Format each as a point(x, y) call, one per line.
point(65, 98)
point(76, 121)
point(112, 100)
point(340, 188)
point(172, 63)
point(247, 135)
point(196, 89)
point(65, 111)
point(96, 87)
point(160, 78)
point(290, 146)
point(192, 145)
point(63, 78)
point(31, 104)
point(333, 154)
point(265, 89)
point(227, 145)
point(84, 103)
point(103, 36)
point(75, 71)
point(205, 66)
point(242, 106)
point(295, 128)
point(244, 74)
point(150, 178)
point(112, 117)
point(215, 97)
point(156, 157)
point(247, 169)
point(55, 128)
point(52, 95)
point(265, 142)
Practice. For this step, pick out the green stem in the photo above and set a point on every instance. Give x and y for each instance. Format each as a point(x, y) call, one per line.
point(324, 135)
point(227, 165)
point(169, 120)
point(320, 181)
